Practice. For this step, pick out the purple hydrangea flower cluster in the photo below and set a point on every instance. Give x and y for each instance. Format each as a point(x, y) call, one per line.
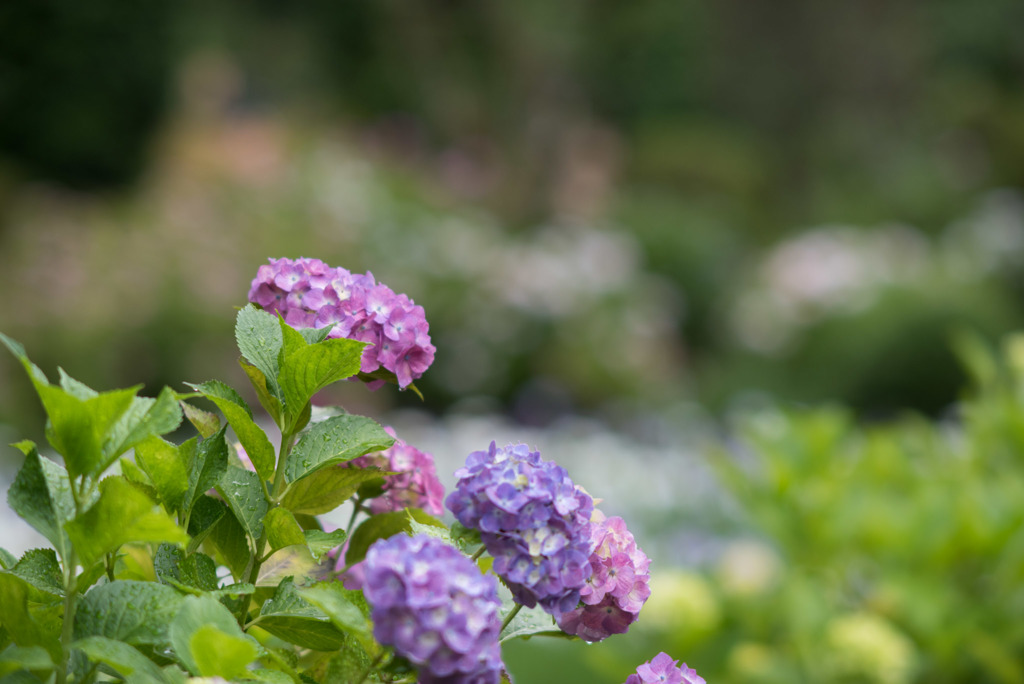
point(309, 293)
point(435, 607)
point(415, 484)
point(620, 584)
point(532, 519)
point(662, 669)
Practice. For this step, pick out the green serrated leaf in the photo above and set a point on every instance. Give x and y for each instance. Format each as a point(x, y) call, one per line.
point(531, 622)
point(207, 465)
point(121, 657)
point(321, 543)
point(202, 626)
point(32, 623)
point(288, 616)
point(335, 440)
point(308, 369)
point(144, 418)
point(167, 469)
point(326, 489)
point(41, 495)
point(34, 374)
point(40, 568)
point(315, 335)
point(130, 612)
point(77, 428)
point(282, 529)
point(259, 338)
point(254, 440)
point(465, 538)
point(133, 473)
point(380, 526)
point(205, 423)
point(205, 514)
point(243, 492)
point(122, 514)
point(196, 570)
point(230, 544)
point(271, 404)
point(295, 561)
point(75, 387)
point(340, 605)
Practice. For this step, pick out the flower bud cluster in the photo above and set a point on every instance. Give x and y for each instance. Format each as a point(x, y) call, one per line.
point(532, 519)
point(662, 669)
point(435, 607)
point(611, 599)
point(308, 293)
point(415, 483)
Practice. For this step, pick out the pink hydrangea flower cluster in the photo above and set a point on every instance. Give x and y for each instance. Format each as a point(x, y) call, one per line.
point(308, 293)
point(662, 669)
point(611, 599)
point(415, 484)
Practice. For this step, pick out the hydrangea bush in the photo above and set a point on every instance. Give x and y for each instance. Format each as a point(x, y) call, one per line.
point(200, 559)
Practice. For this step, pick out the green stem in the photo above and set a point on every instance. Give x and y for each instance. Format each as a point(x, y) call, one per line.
point(373, 666)
point(273, 498)
point(70, 603)
point(508, 618)
point(356, 508)
point(476, 554)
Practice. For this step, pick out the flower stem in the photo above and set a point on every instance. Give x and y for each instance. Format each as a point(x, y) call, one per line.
point(476, 554)
point(508, 618)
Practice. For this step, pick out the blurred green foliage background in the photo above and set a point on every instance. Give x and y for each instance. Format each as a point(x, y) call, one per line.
point(606, 209)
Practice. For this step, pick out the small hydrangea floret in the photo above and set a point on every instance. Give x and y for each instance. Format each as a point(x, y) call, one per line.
point(613, 595)
point(435, 607)
point(532, 519)
point(414, 483)
point(662, 669)
point(309, 293)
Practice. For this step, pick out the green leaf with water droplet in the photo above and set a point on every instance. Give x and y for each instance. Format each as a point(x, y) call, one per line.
point(123, 658)
point(208, 461)
point(309, 368)
point(255, 442)
point(335, 440)
point(341, 605)
point(137, 613)
point(259, 338)
point(202, 629)
point(167, 469)
point(144, 418)
point(122, 514)
point(230, 542)
point(196, 570)
point(271, 404)
point(288, 616)
point(41, 495)
point(321, 543)
point(326, 489)
point(39, 567)
point(242, 491)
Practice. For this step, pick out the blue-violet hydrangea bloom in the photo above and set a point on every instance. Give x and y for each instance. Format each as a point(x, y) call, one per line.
point(436, 608)
point(662, 670)
point(532, 519)
point(308, 293)
point(618, 587)
point(415, 483)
